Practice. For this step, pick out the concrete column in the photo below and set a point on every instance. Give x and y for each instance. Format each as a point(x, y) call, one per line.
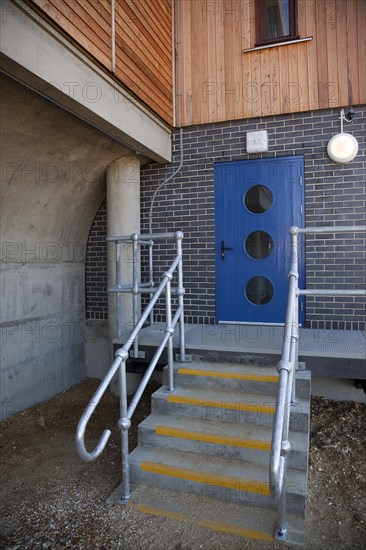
point(123, 218)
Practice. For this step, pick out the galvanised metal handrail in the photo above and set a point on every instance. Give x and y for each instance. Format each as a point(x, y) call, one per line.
point(287, 367)
point(137, 287)
point(119, 366)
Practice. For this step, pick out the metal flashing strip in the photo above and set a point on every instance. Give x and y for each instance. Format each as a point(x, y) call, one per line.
point(266, 46)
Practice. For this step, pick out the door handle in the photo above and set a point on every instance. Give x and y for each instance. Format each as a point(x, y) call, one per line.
point(223, 248)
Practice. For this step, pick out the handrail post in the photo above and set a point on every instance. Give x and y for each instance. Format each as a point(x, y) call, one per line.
point(295, 350)
point(118, 326)
point(135, 288)
point(282, 525)
point(170, 330)
point(124, 424)
point(295, 322)
point(180, 293)
point(151, 276)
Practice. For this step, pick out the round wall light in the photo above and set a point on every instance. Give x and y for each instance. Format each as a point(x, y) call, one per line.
point(342, 148)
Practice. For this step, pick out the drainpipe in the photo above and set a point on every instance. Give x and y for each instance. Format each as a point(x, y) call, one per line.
point(179, 118)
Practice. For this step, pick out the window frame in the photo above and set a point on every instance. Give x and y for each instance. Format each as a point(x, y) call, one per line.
point(260, 25)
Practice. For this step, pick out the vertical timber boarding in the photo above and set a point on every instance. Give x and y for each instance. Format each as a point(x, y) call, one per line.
point(221, 82)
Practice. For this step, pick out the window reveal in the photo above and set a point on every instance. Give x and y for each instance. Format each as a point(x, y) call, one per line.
point(276, 21)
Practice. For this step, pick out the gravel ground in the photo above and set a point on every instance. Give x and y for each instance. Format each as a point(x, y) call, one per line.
point(50, 499)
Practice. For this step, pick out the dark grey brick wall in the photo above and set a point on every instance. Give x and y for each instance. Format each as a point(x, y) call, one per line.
point(334, 195)
point(96, 267)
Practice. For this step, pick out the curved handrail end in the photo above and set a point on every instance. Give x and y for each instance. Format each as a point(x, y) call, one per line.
point(80, 443)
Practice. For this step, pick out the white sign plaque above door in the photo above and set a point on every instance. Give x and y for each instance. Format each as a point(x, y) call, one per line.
point(257, 141)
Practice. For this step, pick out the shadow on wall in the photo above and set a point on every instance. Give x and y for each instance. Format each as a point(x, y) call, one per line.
point(52, 183)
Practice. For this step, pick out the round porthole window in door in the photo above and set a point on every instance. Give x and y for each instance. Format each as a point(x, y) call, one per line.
point(258, 245)
point(258, 199)
point(259, 290)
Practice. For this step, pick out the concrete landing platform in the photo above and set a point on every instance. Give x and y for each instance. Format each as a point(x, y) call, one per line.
point(337, 353)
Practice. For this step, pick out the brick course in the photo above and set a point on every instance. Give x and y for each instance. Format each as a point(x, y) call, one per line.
point(334, 195)
point(96, 277)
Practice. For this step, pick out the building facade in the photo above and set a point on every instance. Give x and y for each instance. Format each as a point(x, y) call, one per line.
point(102, 101)
point(295, 92)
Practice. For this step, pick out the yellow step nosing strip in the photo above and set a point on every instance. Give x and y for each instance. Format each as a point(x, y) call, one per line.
point(250, 407)
point(234, 530)
point(211, 438)
point(254, 486)
point(228, 375)
point(213, 525)
point(161, 512)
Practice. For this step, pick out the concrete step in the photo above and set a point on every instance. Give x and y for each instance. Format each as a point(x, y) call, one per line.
point(234, 376)
point(223, 479)
point(210, 440)
point(246, 441)
point(227, 406)
point(237, 520)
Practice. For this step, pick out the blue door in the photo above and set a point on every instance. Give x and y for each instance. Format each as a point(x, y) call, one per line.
point(256, 202)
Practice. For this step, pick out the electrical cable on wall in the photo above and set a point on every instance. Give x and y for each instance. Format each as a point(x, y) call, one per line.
point(167, 180)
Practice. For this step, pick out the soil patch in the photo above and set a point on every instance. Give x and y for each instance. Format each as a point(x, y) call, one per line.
point(50, 499)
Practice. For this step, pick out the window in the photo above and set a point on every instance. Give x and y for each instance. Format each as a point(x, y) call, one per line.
point(276, 21)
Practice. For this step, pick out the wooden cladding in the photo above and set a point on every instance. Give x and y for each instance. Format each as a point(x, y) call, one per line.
point(143, 42)
point(221, 82)
point(144, 51)
point(87, 22)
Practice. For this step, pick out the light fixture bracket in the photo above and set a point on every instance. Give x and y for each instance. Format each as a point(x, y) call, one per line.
point(348, 117)
point(343, 147)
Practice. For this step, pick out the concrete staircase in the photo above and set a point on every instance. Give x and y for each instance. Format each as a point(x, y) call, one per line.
point(211, 438)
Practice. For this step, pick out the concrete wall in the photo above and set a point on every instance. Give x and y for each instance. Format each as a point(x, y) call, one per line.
point(53, 168)
point(37, 54)
point(97, 348)
point(52, 183)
